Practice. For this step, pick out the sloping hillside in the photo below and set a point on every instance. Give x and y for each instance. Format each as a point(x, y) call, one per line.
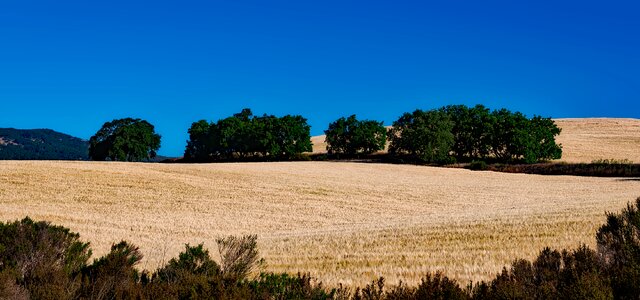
point(582, 139)
point(343, 222)
point(40, 144)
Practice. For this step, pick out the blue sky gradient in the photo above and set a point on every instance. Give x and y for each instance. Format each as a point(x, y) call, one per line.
point(73, 65)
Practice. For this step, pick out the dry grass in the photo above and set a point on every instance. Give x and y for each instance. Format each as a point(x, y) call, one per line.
point(319, 145)
point(583, 140)
point(343, 222)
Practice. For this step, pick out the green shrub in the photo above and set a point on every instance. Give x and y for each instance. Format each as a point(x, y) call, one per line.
point(284, 286)
point(193, 274)
point(10, 288)
point(432, 286)
point(373, 291)
point(113, 276)
point(40, 260)
point(238, 256)
point(478, 165)
point(583, 276)
point(619, 246)
point(194, 261)
point(553, 275)
point(611, 161)
point(438, 286)
point(300, 157)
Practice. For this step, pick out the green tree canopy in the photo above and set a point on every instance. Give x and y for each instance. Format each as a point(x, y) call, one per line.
point(199, 141)
point(541, 142)
point(124, 140)
point(515, 137)
point(351, 136)
point(472, 129)
point(425, 135)
point(508, 137)
point(501, 135)
point(244, 135)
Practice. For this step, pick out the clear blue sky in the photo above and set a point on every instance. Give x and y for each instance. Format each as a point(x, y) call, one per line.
point(73, 65)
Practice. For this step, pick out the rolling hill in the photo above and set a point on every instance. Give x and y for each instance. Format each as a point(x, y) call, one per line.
point(40, 144)
point(342, 222)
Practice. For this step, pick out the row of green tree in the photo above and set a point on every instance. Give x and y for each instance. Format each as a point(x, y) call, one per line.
point(42, 261)
point(451, 133)
point(245, 136)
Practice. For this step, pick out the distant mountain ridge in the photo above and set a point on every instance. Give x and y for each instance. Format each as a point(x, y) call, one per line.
point(41, 144)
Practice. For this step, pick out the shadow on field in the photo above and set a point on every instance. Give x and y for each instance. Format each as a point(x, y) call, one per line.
point(628, 179)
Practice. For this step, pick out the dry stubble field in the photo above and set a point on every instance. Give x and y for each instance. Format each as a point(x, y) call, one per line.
point(587, 139)
point(343, 222)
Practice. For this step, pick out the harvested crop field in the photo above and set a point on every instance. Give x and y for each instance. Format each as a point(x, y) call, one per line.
point(342, 222)
point(585, 140)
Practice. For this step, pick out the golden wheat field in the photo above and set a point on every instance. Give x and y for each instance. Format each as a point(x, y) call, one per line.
point(585, 140)
point(342, 222)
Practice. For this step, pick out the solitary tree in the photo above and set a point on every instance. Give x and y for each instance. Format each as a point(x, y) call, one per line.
point(350, 136)
point(124, 140)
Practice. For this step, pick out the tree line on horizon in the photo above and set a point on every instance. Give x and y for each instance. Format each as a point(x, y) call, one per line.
point(449, 134)
point(445, 135)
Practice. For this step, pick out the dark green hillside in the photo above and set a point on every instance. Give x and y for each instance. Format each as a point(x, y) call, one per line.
point(41, 144)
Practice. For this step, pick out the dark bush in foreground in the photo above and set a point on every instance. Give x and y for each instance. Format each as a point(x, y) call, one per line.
point(569, 275)
point(619, 246)
point(284, 286)
point(436, 286)
point(40, 261)
point(113, 276)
